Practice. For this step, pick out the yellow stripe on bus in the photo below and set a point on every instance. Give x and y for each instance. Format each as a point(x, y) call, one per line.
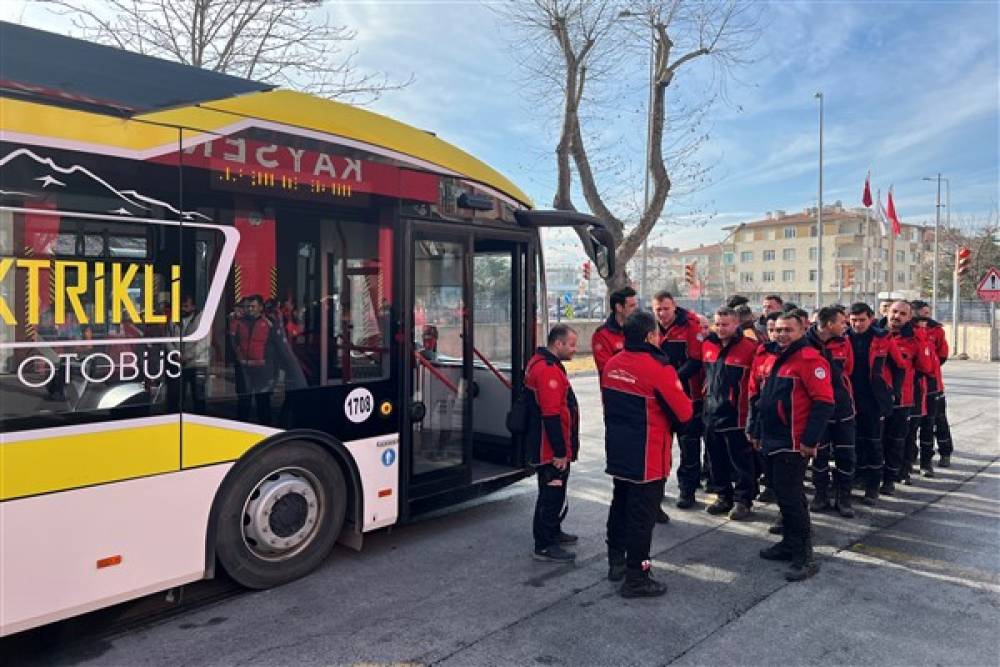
point(204, 445)
point(31, 467)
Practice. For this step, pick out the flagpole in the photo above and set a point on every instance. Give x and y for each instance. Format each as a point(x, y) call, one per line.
point(868, 268)
point(819, 212)
point(892, 255)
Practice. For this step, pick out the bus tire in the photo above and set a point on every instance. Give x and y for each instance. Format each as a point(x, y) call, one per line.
point(281, 515)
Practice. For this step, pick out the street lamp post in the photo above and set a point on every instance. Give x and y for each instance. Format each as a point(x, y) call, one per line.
point(937, 231)
point(819, 212)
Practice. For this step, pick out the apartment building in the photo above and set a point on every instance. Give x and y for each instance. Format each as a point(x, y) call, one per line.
point(665, 269)
point(778, 254)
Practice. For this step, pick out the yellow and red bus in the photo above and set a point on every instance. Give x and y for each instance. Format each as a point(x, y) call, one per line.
point(237, 325)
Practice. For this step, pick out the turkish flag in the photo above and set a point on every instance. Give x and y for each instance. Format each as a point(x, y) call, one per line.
point(866, 196)
point(893, 218)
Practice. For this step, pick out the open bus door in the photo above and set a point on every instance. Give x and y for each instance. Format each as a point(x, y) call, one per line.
point(472, 322)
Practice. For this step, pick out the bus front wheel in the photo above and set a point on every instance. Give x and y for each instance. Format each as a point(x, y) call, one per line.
point(281, 516)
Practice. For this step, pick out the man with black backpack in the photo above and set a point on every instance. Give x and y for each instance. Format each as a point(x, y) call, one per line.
point(552, 439)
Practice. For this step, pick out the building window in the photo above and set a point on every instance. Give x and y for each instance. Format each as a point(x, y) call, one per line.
point(768, 276)
point(812, 275)
point(883, 276)
point(812, 230)
point(900, 276)
point(788, 275)
point(728, 258)
point(914, 234)
point(768, 255)
point(883, 253)
point(813, 252)
point(900, 256)
point(789, 232)
point(746, 256)
point(913, 257)
point(746, 277)
point(788, 254)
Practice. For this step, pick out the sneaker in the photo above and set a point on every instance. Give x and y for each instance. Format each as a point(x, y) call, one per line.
point(720, 506)
point(641, 585)
point(779, 551)
point(944, 461)
point(554, 554)
point(741, 512)
point(820, 502)
point(801, 569)
point(661, 516)
point(566, 538)
point(686, 501)
point(927, 472)
point(887, 489)
point(766, 496)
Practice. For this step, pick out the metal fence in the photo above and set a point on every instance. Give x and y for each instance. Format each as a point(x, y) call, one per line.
point(971, 312)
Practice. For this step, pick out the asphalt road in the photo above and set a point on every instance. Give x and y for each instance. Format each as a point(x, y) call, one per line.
point(915, 580)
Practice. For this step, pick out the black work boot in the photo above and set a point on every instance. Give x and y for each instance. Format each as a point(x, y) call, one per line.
point(944, 461)
point(871, 488)
point(661, 516)
point(780, 551)
point(640, 584)
point(803, 566)
point(616, 564)
point(778, 528)
point(554, 554)
point(821, 501)
point(844, 508)
point(887, 488)
point(927, 470)
point(720, 506)
point(766, 496)
point(685, 501)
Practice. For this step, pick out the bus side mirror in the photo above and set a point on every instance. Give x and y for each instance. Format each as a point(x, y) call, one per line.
point(603, 250)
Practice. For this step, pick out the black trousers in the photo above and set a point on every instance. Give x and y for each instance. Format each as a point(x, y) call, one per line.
point(839, 444)
point(788, 474)
point(942, 431)
point(631, 518)
point(927, 425)
point(893, 443)
point(550, 507)
point(868, 444)
point(689, 442)
point(733, 467)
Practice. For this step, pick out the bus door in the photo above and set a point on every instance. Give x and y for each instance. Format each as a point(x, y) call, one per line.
point(440, 361)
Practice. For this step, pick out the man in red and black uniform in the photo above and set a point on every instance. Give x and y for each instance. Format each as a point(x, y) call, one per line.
point(643, 401)
point(922, 416)
point(552, 440)
point(936, 421)
point(255, 345)
point(789, 413)
point(609, 339)
point(913, 358)
point(827, 335)
point(680, 341)
point(871, 383)
point(728, 356)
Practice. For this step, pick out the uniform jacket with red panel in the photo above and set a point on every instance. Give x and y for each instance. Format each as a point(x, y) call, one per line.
point(939, 346)
point(554, 423)
point(795, 401)
point(913, 359)
point(643, 402)
point(874, 388)
point(840, 355)
point(727, 376)
point(607, 341)
point(681, 342)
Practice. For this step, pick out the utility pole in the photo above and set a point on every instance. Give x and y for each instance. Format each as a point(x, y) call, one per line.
point(819, 212)
point(937, 231)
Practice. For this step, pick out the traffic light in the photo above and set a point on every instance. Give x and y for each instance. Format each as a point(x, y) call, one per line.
point(689, 276)
point(586, 270)
point(963, 260)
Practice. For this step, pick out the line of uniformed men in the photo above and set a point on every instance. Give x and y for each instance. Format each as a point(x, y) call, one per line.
point(767, 396)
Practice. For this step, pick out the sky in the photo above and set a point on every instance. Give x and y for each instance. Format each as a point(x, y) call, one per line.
point(910, 89)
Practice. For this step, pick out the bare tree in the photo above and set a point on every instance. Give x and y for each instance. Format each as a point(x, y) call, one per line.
point(573, 46)
point(277, 41)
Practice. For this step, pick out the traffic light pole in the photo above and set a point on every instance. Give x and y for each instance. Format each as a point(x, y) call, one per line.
point(956, 279)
